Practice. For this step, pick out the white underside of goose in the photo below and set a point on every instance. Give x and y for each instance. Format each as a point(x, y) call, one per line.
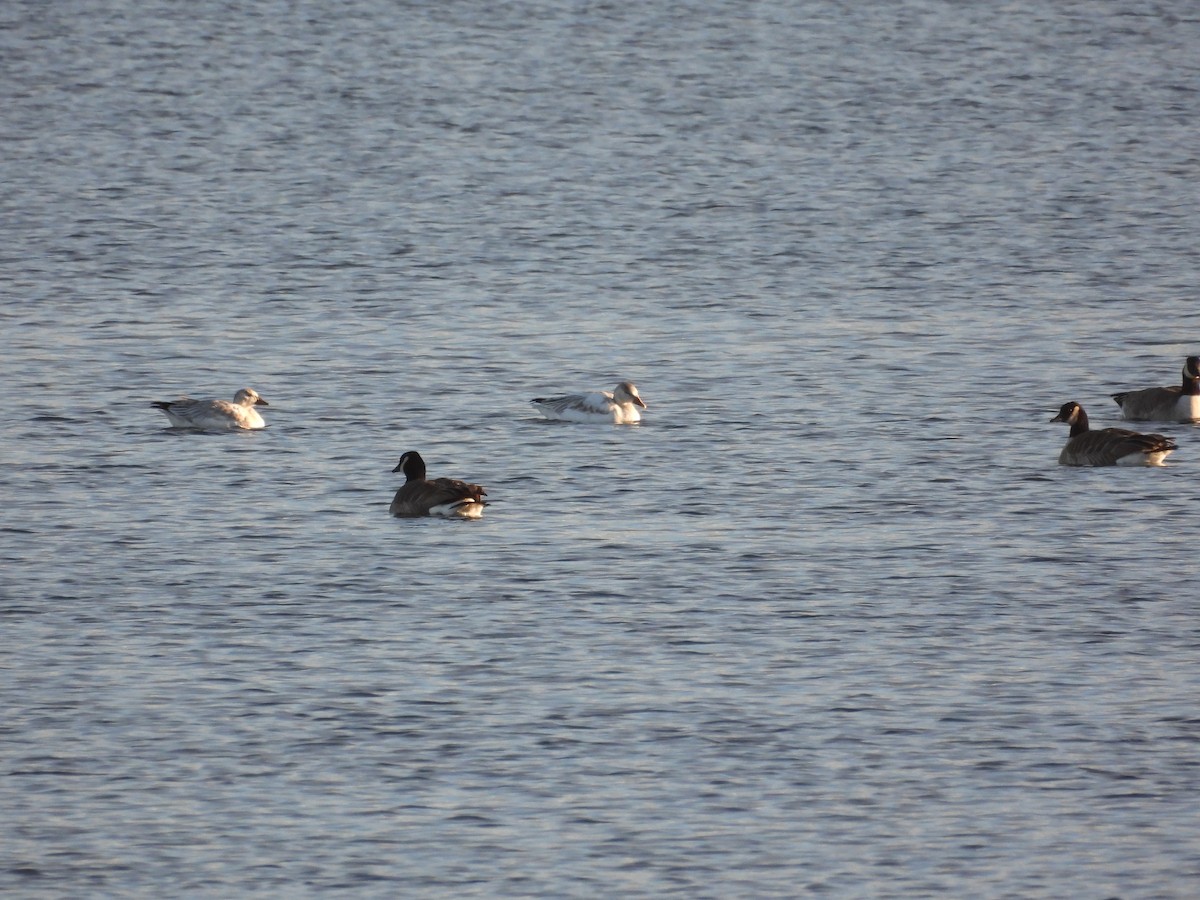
point(1187, 409)
point(1143, 459)
point(1131, 459)
point(461, 510)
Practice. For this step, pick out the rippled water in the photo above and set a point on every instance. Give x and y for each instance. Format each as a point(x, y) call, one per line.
point(830, 621)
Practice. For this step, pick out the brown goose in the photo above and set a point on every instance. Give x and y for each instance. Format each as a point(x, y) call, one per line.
point(1108, 446)
point(421, 496)
point(1165, 404)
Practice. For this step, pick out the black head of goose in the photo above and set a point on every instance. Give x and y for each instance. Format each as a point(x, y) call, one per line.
point(1165, 404)
point(421, 496)
point(1108, 446)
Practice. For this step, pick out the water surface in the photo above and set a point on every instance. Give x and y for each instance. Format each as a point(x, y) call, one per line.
point(831, 620)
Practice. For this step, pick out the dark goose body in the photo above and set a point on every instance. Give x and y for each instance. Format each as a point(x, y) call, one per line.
point(421, 496)
point(1108, 446)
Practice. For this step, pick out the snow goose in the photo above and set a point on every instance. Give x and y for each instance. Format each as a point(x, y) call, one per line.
point(620, 407)
point(215, 415)
point(1108, 446)
point(1165, 404)
point(421, 496)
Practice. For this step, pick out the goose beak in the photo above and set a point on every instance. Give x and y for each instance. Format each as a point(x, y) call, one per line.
point(397, 469)
point(640, 402)
point(261, 402)
point(1057, 418)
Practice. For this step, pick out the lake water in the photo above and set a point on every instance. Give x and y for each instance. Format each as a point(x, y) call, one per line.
point(831, 621)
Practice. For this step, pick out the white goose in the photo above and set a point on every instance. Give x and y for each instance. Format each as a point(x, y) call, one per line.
point(1108, 446)
point(215, 415)
point(1165, 404)
point(620, 407)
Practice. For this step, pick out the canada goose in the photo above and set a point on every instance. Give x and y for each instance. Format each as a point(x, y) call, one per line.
point(215, 415)
point(1165, 404)
point(618, 407)
point(420, 496)
point(1108, 446)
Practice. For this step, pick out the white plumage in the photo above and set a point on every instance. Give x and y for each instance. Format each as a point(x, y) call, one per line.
point(620, 407)
point(215, 415)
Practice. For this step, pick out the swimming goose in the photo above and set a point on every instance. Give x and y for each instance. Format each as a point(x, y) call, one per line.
point(1108, 446)
point(215, 415)
point(618, 407)
point(420, 496)
point(1165, 404)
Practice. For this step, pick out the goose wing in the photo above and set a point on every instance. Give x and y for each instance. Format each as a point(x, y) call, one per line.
point(592, 403)
point(1111, 446)
point(187, 411)
point(1148, 403)
point(437, 496)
